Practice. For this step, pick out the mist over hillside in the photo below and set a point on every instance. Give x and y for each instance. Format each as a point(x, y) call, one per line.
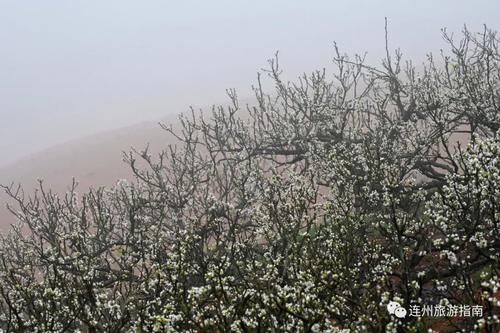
point(92, 161)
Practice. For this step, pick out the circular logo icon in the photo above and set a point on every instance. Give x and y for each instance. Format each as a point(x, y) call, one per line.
point(392, 306)
point(400, 312)
point(396, 309)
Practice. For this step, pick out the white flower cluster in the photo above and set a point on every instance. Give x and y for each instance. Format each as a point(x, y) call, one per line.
point(308, 213)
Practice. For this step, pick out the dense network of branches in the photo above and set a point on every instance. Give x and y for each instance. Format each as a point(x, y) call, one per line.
point(307, 211)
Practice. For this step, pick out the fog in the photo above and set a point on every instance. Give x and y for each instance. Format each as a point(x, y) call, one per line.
point(72, 68)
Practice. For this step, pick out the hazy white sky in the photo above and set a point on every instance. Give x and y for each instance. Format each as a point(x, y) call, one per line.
point(72, 68)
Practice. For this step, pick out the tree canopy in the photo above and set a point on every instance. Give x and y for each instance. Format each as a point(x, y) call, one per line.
point(307, 211)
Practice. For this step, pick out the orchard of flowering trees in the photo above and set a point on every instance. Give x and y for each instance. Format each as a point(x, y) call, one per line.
point(308, 211)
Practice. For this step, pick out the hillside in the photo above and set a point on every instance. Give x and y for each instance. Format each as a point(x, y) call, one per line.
point(93, 161)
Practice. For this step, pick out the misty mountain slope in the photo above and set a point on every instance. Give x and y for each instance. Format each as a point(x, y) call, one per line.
point(93, 161)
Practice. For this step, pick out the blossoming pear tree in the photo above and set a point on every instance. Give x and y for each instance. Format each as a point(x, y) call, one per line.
point(307, 211)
